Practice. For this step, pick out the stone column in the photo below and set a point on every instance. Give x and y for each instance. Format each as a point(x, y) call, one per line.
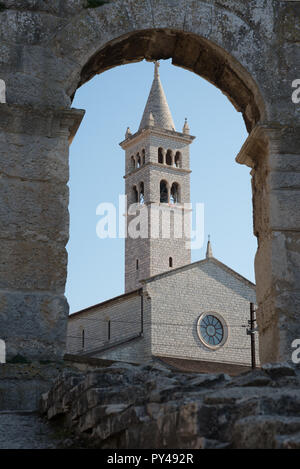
point(273, 153)
point(34, 229)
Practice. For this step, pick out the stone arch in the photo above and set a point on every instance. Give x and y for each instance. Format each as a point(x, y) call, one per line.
point(230, 44)
point(111, 39)
point(169, 158)
point(175, 193)
point(141, 193)
point(164, 191)
point(178, 159)
point(132, 162)
point(135, 195)
point(143, 156)
point(116, 34)
point(160, 155)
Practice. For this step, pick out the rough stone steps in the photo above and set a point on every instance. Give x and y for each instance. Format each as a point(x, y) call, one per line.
point(148, 407)
point(266, 431)
point(25, 430)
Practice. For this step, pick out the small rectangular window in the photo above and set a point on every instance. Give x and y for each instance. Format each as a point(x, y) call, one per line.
point(137, 264)
point(170, 262)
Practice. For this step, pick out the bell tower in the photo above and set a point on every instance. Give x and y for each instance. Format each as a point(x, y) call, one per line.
point(157, 186)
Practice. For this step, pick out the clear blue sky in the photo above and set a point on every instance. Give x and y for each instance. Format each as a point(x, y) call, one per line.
point(115, 100)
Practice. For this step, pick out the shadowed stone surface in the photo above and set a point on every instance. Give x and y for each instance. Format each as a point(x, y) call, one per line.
point(150, 406)
point(25, 431)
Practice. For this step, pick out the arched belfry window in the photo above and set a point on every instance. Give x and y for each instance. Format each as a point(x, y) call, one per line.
point(142, 193)
point(174, 196)
point(135, 194)
point(138, 161)
point(178, 160)
point(169, 157)
point(143, 156)
point(132, 162)
point(160, 156)
point(164, 196)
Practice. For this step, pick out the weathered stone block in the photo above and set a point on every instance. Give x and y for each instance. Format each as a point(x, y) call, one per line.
point(34, 157)
point(34, 325)
point(32, 265)
point(27, 27)
point(284, 207)
point(33, 210)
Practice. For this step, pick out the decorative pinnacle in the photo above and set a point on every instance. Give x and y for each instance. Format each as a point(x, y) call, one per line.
point(128, 133)
point(186, 129)
point(156, 68)
point(151, 119)
point(209, 252)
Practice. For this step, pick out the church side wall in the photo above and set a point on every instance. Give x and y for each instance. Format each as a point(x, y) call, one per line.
point(179, 299)
point(136, 351)
point(125, 326)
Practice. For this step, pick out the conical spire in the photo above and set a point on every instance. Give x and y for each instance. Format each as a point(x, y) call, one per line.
point(209, 252)
point(157, 105)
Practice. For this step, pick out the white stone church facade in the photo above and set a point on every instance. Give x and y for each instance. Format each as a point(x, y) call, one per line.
point(192, 316)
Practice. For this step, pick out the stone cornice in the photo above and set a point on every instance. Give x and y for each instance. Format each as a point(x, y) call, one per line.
point(133, 139)
point(256, 145)
point(40, 121)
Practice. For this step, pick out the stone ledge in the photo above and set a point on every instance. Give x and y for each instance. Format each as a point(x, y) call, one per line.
point(40, 121)
point(149, 406)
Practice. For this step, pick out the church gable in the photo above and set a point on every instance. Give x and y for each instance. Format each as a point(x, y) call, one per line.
point(228, 278)
point(205, 290)
point(215, 270)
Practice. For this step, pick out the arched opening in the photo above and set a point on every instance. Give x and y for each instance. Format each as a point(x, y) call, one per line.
point(142, 193)
point(83, 339)
point(132, 162)
point(164, 194)
point(250, 110)
point(138, 161)
point(135, 195)
point(174, 195)
point(160, 156)
point(178, 160)
point(169, 158)
point(188, 50)
point(110, 175)
point(143, 157)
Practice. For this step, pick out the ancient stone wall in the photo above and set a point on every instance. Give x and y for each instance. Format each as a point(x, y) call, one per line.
point(149, 406)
